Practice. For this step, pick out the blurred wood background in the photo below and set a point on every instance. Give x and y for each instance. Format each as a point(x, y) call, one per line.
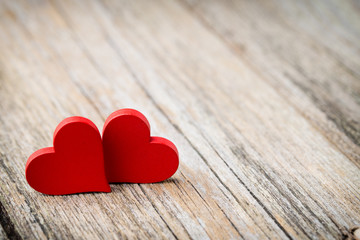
point(262, 99)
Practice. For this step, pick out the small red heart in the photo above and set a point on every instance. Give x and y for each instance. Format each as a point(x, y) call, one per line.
point(131, 155)
point(75, 164)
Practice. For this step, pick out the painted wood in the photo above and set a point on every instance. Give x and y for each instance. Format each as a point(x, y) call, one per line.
point(131, 154)
point(261, 99)
point(75, 164)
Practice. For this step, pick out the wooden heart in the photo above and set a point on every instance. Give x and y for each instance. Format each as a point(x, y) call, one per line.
point(75, 164)
point(131, 155)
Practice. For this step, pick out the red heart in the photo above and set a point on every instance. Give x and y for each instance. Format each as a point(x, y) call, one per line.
point(131, 155)
point(75, 164)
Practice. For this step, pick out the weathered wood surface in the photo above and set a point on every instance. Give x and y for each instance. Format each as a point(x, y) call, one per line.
point(262, 99)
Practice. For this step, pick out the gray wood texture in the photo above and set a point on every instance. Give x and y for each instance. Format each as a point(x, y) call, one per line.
point(262, 99)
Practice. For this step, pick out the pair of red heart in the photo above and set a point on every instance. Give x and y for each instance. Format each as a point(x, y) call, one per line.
point(81, 161)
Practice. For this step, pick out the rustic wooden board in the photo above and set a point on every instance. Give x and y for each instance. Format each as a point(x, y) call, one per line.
point(283, 42)
point(261, 99)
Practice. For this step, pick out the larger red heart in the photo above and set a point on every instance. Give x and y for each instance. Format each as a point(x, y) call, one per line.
point(131, 155)
point(75, 164)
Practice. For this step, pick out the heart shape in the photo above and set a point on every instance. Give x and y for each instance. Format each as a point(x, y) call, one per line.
point(75, 164)
point(131, 154)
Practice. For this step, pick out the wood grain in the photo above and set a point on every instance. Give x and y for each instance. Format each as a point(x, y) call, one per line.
point(260, 97)
point(289, 41)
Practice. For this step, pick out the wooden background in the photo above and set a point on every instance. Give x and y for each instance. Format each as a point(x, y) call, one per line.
point(262, 99)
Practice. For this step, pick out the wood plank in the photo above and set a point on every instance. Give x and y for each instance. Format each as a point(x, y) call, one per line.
point(157, 42)
point(252, 165)
point(282, 41)
point(44, 216)
point(44, 213)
